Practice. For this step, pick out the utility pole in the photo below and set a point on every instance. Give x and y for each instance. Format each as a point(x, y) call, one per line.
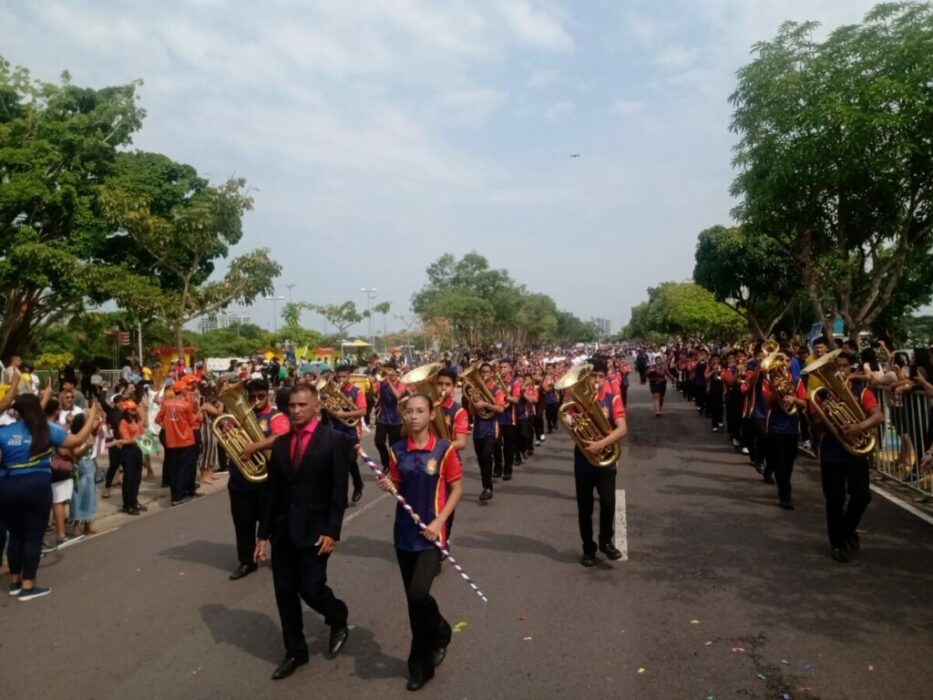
point(370, 292)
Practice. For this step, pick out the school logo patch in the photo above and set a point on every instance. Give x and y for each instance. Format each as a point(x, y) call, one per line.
point(264, 425)
point(431, 467)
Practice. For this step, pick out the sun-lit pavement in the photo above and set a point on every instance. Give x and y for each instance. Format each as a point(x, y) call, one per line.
point(724, 595)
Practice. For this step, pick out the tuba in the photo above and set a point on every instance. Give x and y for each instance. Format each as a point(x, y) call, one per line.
point(475, 389)
point(236, 428)
point(583, 417)
point(837, 407)
point(333, 399)
point(775, 365)
point(421, 380)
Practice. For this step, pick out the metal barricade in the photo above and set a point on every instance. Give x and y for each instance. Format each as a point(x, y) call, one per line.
point(903, 438)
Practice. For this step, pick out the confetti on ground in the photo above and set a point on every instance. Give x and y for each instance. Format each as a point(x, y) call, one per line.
point(762, 677)
point(871, 668)
point(460, 626)
point(710, 697)
point(694, 622)
point(785, 662)
point(521, 618)
point(528, 639)
point(351, 627)
point(738, 650)
point(709, 643)
point(641, 670)
point(807, 667)
point(785, 696)
point(806, 689)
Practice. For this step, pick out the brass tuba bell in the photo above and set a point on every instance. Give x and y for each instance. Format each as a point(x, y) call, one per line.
point(422, 380)
point(236, 428)
point(837, 407)
point(583, 418)
point(475, 389)
point(333, 399)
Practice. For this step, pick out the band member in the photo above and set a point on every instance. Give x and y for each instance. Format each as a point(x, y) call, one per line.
point(699, 381)
point(602, 479)
point(247, 498)
point(842, 472)
point(458, 422)
point(486, 430)
point(388, 419)
point(507, 446)
point(524, 413)
point(551, 400)
point(657, 383)
point(307, 485)
point(732, 378)
point(538, 417)
point(353, 433)
point(783, 426)
point(426, 470)
point(179, 416)
point(714, 392)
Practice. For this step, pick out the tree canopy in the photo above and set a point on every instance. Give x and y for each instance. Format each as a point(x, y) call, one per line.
point(683, 309)
point(835, 158)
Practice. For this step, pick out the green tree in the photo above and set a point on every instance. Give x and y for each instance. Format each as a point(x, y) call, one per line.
point(835, 157)
point(683, 309)
point(58, 142)
point(340, 316)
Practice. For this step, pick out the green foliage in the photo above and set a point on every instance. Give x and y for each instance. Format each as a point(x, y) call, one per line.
point(683, 309)
point(481, 305)
point(340, 316)
point(835, 157)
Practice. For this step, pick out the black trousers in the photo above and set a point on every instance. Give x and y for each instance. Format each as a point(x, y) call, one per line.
point(506, 449)
point(485, 449)
point(245, 509)
point(538, 422)
point(25, 504)
point(115, 456)
point(429, 629)
point(300, 574)
point(182, 462)
point(526, 437)
point(604, 481)
point(843, 518)
point(699, 397)
point(132, 459)
point(393, 434)
point(734, 414)
point(782, 451)
point(550, 412)
point(715, 406)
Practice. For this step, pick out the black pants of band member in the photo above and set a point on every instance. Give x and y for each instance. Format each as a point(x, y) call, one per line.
point(115, 457)
point(182, 462)
point(838, 478)
point(550, 412)
point(300, 574)
point(485, 449)
point(604, 482)
point(384, 433)
point(538, 421)
point(245, 509)
point(132, 460)
point(526, 437)
point(506, 445)
point(699, 397)
point(25, 504)
point(782, 451)
point(734, 414)
point(429, 629)
point(715, 406)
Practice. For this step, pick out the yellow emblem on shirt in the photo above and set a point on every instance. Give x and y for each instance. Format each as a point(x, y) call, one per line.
point(431, 467)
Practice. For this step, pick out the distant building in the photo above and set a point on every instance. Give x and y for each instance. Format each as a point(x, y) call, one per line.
point(212, 322)
point(603, 326)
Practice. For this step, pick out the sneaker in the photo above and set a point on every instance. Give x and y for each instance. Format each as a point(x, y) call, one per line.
point(544, 437)
point(33, 593)
point(736, 443)
point(48, 548)
point(806, 445)
point(537, 443)
point(16, 588)
point(67, 541)
point(715, 428)
point(744, 450)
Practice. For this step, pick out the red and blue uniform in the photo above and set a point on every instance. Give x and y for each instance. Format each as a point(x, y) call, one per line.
point(612, 408)
point(423, 475)
point(458, 422)
point(388, 404)
point(831, 452)
point(358, 398)
point(510, 415)
point(777, 419)
point(489, 427)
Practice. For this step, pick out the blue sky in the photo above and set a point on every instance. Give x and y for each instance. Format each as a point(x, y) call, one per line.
point(378, 135)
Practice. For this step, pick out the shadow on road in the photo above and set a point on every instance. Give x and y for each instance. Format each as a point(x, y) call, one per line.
point(253, 632)
point(219, 556)
point(515, 544)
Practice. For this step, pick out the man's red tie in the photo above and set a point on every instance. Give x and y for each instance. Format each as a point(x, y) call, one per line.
point(299, 452)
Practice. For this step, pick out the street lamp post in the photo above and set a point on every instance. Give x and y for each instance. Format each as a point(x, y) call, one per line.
point(370, 292)
point(275, 300)
point(290, 292)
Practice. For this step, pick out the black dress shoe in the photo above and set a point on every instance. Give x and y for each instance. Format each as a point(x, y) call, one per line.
point(416, 682)
point(141, 507)
point(438, 656)
point(496, 473)
point(588, 560)
point(853, 542)
point(338, 637)
point(357, 494)
point(485, 495)
point(287, 667)
point(839, 554)
point(768, 479)
point(787, 505)
point(610, 551)
point(507, 477)
point(242, 570)
point(130, 510)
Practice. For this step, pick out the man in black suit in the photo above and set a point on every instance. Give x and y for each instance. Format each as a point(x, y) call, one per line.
point(307, 498)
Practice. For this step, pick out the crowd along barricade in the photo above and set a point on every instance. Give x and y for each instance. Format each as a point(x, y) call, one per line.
point(903, 438)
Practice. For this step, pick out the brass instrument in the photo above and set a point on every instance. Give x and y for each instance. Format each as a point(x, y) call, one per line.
point(837, 407)
point(236, 428)
point(583, 417)
point(422, 380)
point(775, 365)
point(475, 390)
point(769, 347)
point(333, 399)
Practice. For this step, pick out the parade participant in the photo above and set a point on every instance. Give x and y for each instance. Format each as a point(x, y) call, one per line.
point(538, 415)
point(699, 381)
point(508, 450)
point(26, 447)
point(132, 425)
point(355, 432)
point(178, 417)
point(657, 383)
point(486, 430)
point(715, 390)
point(524, 416)
point(844, 473)
point(551, 400)
point(388, 419)
point(427, 472)
point(602, 479)
point(782, 418)
point(303, 515)
point(641, 365)
point(458, 422)
point(732, 378)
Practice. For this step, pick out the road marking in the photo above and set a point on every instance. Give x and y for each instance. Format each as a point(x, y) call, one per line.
point(365, 508)
point(903, 504)
point(620, 524)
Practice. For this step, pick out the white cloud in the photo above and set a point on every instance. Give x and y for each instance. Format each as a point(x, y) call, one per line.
point(559, 110)
point(676, 57)
point(543, 78)
point(473, 105)
point(535, 26)
point(626, 108)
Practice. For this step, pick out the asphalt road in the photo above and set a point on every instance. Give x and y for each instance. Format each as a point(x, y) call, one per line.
point(724, 595)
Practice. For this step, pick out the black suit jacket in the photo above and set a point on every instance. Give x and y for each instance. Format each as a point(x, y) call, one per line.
point(306, 503)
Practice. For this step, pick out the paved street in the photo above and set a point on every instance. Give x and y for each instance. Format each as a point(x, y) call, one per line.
point(724, 595)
